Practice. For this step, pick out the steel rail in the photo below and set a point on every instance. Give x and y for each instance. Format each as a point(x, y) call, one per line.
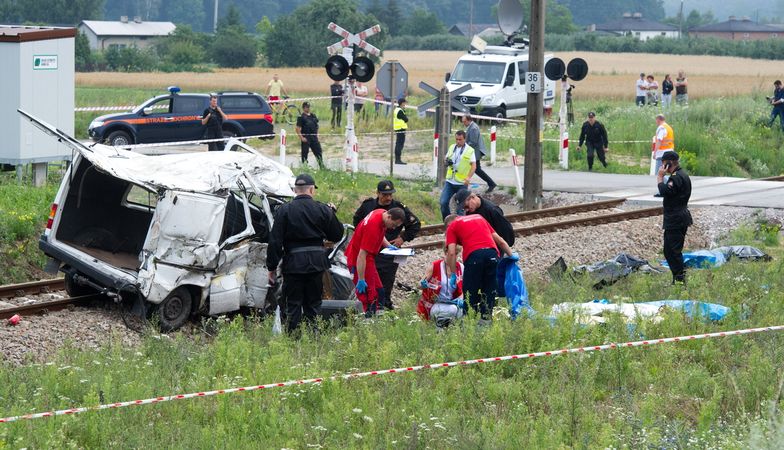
point(563, 225)
point(540, 214)
point(44, 307)
point(31, 288)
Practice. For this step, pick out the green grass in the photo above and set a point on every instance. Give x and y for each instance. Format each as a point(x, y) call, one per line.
point(23, 213)
point(702, 394)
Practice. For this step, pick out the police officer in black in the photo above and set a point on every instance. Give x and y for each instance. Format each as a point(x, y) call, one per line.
point(675, 192)
point(595, 137)
point(387, 268)
point(298, 234)
point(492, 213)
point(213, 118)
point(307, 129)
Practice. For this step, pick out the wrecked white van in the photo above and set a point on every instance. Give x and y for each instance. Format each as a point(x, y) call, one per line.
point(178, 234)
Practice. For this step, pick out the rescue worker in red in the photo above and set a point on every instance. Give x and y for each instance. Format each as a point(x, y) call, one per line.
point(368, 240)
point(480, 257)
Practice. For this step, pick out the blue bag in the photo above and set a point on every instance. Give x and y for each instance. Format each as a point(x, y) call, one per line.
point(511, 285)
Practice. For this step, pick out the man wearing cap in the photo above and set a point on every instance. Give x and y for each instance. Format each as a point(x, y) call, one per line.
point(307, 130)
point(474, 139)
point(297, 238)
point(675, 192)
point(367, 242)
point(407, 231)
point(474, 204)
point(641, 90)
point(594, 135)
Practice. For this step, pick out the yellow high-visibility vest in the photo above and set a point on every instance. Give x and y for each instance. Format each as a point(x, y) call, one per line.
point(463, 166)
point(399, 124)
point(668, 143)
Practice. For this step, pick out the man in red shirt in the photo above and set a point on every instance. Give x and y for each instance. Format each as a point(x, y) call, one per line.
point(366, 243)
point(480, 258)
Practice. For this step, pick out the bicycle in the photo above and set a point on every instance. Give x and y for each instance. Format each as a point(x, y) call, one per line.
point(289, 111)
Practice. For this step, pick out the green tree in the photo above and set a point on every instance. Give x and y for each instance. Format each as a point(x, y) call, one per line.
point(393, 17)
point(83, 54)
point(232, 19)
point(291, 43)
point(422, 23)
point(183, 48)
point(263, 28)
point(50, 11)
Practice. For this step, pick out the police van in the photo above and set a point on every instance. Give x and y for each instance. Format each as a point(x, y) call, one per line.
point(497, 79)
point(177, 117)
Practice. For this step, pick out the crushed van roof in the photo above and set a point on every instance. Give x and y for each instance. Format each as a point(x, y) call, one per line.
point(208, 172)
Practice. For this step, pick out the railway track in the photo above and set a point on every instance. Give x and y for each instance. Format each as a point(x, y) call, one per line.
point(429, 230)
point(563, 225)
point(34, 288)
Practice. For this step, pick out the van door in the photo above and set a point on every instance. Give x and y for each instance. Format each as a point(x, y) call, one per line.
point(186, 111)
point(241, 276)
point(181, 246)
point(516, 97)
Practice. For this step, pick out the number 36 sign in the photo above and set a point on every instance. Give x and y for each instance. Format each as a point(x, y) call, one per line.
point(533, 82)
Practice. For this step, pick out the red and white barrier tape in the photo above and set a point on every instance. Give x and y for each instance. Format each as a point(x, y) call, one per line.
point(350, 376)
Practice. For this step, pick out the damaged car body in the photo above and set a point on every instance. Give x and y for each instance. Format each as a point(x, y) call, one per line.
point(177, 234)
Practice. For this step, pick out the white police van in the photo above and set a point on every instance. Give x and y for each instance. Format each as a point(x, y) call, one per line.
point(497, 78)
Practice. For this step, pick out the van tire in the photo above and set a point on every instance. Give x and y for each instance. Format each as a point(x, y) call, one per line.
point(174, 310)
point(501, 114)
point(119, 138)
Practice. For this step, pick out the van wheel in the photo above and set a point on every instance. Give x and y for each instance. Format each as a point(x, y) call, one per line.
point(76, 290)
point(174, 310)
point(501, 113)
point(119, 138)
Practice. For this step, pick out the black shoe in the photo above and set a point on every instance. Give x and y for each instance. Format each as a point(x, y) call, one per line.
point(491, 188)
point(657, 195)
point(400, 163)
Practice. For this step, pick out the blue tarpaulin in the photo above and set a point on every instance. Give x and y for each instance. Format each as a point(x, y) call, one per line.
point(702, 259)
point(710, 311)
point(511, 285)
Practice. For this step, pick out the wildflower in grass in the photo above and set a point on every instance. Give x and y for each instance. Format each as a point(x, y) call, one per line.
point(367, 419)
point(358, 436)
point(357, 410)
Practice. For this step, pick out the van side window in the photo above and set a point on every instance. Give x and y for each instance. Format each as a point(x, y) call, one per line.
point(188, 105)
point(140, 198)
point(510, 74)
point(522, 68)
point(229, 102)
point(162, 106)
point(234, 222)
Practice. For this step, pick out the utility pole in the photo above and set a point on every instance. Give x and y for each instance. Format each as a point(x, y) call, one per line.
point(680, 22)
point(532, 175)
point(392, 134)
point(444, 123)
point(215, 18)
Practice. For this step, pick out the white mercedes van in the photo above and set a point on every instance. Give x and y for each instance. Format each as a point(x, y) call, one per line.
point(497, 77)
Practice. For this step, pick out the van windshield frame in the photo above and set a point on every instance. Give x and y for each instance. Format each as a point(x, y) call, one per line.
point(486, 72)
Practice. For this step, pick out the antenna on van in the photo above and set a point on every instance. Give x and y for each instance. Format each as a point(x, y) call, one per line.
point(510, 19)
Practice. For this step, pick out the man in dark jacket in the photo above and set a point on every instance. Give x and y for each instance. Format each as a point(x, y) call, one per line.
point(307, 130)
point(298, 234)
point(594, 135)
point(675, 192)
point(387, 268)
point(494, 215)
point(336, 92)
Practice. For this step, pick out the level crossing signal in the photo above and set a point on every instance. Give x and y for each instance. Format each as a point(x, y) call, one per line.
point(360, 68)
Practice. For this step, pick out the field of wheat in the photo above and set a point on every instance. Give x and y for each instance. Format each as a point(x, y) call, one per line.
point(611, 76)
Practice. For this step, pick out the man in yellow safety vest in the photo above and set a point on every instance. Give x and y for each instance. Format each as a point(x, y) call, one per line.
point(460, 167)
point(663, 142)
point(400, 125)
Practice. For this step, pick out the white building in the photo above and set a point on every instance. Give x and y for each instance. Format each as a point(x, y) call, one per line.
point(637, 26)
point(104, 35)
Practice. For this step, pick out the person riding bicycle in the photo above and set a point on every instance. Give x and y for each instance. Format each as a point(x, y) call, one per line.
point(274, 90)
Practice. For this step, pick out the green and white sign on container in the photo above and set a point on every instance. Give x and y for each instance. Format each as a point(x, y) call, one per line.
point(44, 62)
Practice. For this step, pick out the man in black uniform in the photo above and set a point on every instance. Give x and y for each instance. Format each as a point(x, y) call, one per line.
point(474, 204)
point(595, 137)
point(387, 268)
point(677, 218)
point(336, 91)
point(298, 234)
point(307, 130)
point(213, 118)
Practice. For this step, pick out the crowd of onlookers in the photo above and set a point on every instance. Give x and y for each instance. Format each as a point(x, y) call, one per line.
point(647, 90)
